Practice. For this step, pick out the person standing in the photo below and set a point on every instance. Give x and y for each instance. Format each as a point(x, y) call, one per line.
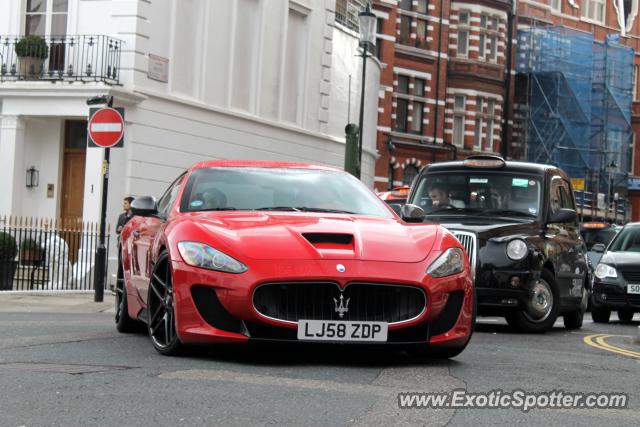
point(125, 216)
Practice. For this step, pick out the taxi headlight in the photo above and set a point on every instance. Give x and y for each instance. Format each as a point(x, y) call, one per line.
point(604, 271)
point(517, 249)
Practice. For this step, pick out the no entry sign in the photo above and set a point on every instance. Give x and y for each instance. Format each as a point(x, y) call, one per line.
point(106, 127)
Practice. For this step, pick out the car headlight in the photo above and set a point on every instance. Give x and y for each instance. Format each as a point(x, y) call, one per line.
point(517, 249)
point(603, 271)
point(450, 262)
point(204, 256)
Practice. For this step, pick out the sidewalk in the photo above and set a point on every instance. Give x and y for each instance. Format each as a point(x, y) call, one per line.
point(55, 302)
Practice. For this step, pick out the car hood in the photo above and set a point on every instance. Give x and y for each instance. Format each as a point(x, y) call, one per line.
point(622, 259)
point(271, 235)
point(487, 229)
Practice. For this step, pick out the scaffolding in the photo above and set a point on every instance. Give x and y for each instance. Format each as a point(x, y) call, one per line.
point(576, 105)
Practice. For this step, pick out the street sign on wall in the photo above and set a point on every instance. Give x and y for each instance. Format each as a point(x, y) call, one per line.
point(106, 128)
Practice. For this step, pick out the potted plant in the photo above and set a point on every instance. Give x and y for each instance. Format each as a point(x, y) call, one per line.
point(31, 52)
point(30, 252)
point(8, 263)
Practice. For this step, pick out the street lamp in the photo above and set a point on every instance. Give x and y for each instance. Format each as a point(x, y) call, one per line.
point(367, 25)
point(610, 168)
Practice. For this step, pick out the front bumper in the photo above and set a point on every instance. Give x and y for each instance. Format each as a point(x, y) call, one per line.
point(613, 296)
point(214, 307)
point(503, 290)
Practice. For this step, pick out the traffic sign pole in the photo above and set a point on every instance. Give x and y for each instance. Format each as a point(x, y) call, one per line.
point(106, 130)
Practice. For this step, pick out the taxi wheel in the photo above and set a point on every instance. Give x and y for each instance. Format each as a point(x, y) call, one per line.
point(600, 315)
point(543, 308)
point(625, 316)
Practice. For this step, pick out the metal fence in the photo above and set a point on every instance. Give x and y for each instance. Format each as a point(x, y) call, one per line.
point(45, 254)
point(69, 58)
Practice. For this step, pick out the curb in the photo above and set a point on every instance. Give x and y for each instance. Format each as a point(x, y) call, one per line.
point(48, 293)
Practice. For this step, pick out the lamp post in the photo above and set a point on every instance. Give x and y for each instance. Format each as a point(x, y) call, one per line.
point(610, 168)
point(367, 25)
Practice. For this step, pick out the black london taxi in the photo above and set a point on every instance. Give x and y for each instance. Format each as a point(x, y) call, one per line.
point(519, 225)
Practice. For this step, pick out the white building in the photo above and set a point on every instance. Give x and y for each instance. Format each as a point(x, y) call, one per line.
point(249, 79)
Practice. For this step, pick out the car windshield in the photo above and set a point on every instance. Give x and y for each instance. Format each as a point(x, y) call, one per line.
point(279, 189)
point(480, 193)
point(628, 240)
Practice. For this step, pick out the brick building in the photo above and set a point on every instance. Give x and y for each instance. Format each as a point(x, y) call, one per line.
point(443, 83)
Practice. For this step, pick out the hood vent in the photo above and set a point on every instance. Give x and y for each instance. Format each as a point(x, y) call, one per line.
point(329, 240)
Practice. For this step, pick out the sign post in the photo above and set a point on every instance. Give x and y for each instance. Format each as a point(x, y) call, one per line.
point(105, 130)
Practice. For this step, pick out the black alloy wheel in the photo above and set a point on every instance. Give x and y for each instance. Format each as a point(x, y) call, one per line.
point(161, 309)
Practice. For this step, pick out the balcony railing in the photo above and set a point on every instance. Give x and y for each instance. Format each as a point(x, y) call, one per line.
point(86, 58)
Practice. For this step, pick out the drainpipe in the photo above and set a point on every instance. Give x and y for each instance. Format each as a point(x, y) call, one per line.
point(435, 121)
point(506, 103)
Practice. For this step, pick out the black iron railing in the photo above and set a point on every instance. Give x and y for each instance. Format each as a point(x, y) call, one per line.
point(41, 254)
point(86, 58)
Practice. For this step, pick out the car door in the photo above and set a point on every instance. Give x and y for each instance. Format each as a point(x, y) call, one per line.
point(146, 234)
point(570, 262)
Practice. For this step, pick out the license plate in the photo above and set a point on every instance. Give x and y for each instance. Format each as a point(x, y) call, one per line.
point(327, 330)
point(633, 289)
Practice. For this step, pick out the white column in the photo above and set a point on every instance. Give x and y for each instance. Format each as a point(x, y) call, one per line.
point(12, 175)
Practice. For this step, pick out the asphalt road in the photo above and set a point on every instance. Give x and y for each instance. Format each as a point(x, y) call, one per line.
point(66, 369)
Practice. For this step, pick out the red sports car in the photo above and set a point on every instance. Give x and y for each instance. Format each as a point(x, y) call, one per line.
point(242, 251)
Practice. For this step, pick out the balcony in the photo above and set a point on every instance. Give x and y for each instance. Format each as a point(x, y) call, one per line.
point(82, 58)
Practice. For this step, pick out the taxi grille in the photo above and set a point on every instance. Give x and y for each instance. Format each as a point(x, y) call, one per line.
point(468, 241)
point(631, 276)
point(373, 302)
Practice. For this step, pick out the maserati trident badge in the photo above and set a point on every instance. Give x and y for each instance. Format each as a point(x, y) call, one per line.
point(343, 307)
point(341, 268)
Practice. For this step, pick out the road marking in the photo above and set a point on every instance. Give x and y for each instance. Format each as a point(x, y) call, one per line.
point(598, 341)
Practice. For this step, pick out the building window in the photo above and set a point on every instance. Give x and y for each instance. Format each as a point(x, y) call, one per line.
point(410, 172)
point(378, 46)
point(556, 5)
point(423, 7)
point(477, 131)
point(463, 33)
point(417, 114)
point(347, 12)
point(402, 104)
point(491, 112)
point(593, 9)
point(405, 29)
point(488, 49)
point(46, 17)
point(405, 4)
point(459, 113)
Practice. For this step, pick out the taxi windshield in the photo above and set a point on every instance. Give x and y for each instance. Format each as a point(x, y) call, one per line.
point(482, 193)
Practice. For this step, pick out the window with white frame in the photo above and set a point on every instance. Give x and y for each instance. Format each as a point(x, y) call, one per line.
point(405, 29)
point(46, 17)
point(463, 33)
point(488, 49)
point(459, 114)
point(402, 104)
point(491, 116)
point(593, 10)
point(556, 5)
point(478, 124)
point(417, 112)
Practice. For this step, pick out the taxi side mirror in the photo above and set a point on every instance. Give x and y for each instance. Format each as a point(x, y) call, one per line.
point(563, 216)
point(598, 247)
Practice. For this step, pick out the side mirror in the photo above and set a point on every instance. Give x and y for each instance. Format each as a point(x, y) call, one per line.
point(412, 213)
point(397, 208)
point(563, 216)
point(144, 206)
point(598, 247)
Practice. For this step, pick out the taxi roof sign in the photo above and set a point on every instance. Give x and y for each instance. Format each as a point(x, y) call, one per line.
point(488, 162)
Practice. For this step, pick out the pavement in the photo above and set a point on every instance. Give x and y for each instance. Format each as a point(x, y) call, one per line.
point(55, 302)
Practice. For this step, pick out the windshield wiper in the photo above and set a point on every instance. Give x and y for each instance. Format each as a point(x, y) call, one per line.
point(279, 208)
point(308, 209)
point(510, 212)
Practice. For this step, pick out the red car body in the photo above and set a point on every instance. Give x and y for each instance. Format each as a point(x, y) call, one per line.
point(212, 307)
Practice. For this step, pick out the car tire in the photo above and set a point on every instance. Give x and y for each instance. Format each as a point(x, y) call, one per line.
point(161, 324)
point(547, 289)
point(124, 323)
point(574, 319)
point(625, 316)
point(600, 315)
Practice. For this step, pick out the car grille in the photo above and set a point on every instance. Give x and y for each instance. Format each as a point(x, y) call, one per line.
point(631, 276)
point(622, 299)
point(468, 241)
point(373, 302)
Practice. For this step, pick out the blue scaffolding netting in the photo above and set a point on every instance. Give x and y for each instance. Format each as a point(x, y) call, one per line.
point(578, 102)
